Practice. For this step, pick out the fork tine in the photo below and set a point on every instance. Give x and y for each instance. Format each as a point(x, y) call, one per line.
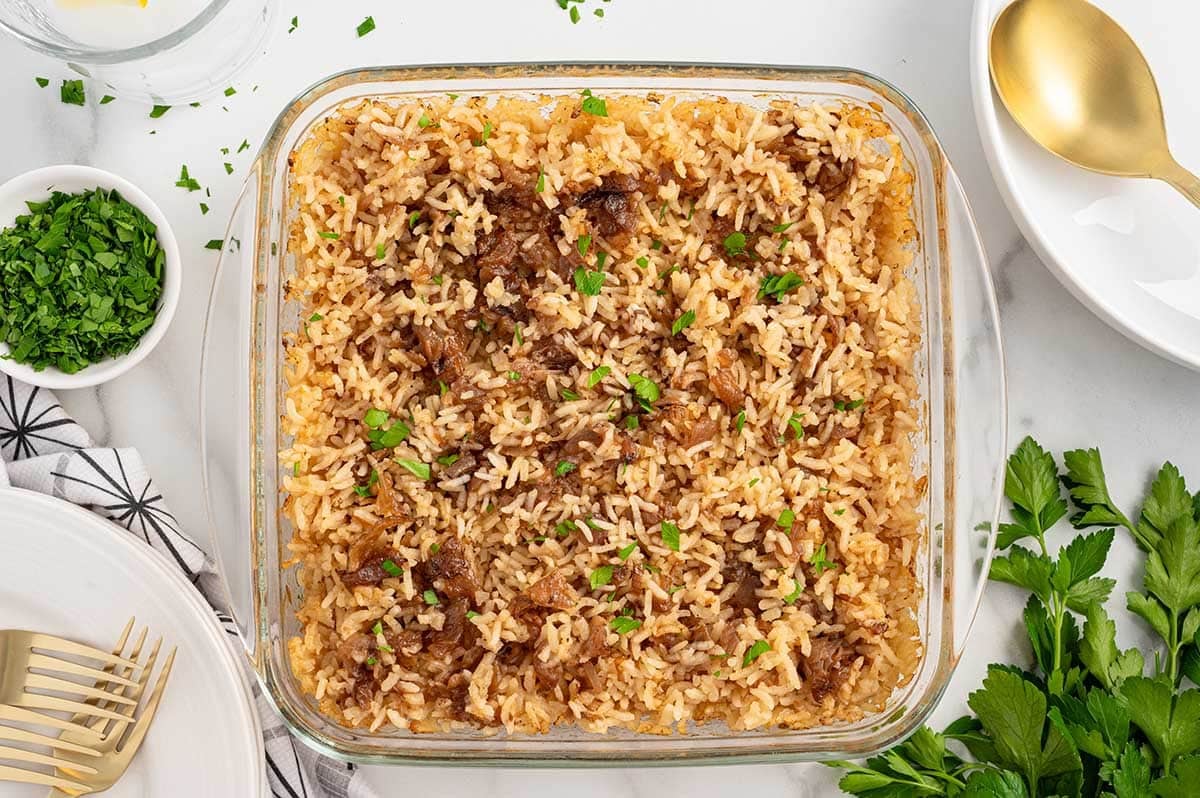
point(57, 645)
point(21, 755)
point(131, 744)
point(20, 715)
point(119, 727)
point(75, 688)
point(44, 779)
point(75, 669)
point(98, 725)
point(35, 701)
point(23, 736)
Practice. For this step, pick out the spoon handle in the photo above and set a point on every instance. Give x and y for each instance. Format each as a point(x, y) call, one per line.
point(1182, 181)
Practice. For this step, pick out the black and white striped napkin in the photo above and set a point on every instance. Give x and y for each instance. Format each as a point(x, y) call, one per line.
point(45, 450)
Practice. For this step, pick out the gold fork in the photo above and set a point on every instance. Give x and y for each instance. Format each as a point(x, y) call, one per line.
point(118, 740)
point(33, 661)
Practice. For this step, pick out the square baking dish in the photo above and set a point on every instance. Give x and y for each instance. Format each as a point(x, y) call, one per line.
point(960, 450)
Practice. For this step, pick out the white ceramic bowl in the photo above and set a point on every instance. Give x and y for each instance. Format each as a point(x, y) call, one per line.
point(1127, 249)
point(39, 185)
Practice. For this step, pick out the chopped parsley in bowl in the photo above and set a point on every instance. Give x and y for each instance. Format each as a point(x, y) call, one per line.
point(89, 276)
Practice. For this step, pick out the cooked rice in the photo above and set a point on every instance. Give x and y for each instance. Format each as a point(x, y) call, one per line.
point(489, 264)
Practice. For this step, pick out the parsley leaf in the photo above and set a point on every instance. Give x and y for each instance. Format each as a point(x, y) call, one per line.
point(624, 624)
point(627, 551)
point(416, 468)
point(598, 373)
point(776, 285)
point(593, 105)
point(365, 27)
point(820, 562)
point(735, 244)
point(670, 535)
point(71, 92)
point(645, 390)
point(600, 576)
point(683, 322)
point(588, 282)
point(756, 650)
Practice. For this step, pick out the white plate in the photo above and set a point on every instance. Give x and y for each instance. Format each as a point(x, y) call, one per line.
point(1128, 249)
point(66, 571)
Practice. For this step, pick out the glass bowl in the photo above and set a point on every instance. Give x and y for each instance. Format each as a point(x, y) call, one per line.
point(169, 52)
point(960, 447)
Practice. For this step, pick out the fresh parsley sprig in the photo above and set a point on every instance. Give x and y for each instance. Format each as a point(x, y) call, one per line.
point(1087, 719)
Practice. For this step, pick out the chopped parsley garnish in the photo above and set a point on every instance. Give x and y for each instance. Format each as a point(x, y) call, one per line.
point(229, 92)
point(645, 390)
point(375, 418)
point(691, 210)
point(755, 651)
point(295, 24)
point(790, 598)
point(245, 145)
point(424, 121)
point(752, 483)
point(631, 422)
point(819, 562)
point(541, 181)
point(843, 406)
point(735, 244)
point(430, 598)
point(187, 181)
point(203, 208)
point(683, 322)
point(593, 105)
point(785, 520)
point(564, 528)
point(443, 388)
point(583, 245)
point(435, 548)
point(794, 421)
point(782, 228)
point(416, 468)
point(656, 244)
point(574, 14)
point(776, 285)
point(472, 614)
point(592, 525)
point(840, 511)
point(330, 235)
point(601, 576)
point(380, 437)
point(377, 629)
point(448, 459)
point(159, 110)
point(642, 262)
point(413, 218)
point(739, 421)
point(437, 279)
point(670, 535)
point(485, 135)
point(568, 395)
point(513, 376)
point(380, 251)
point(598, 373)
point(624, 624)
point(80, 277)
point(588, 282)
point(564, 467)
point(365, 490)
point(228, 168)
point(365, 27)
point(625, 553)
point(106, 99)
point(672, 591)
point(372, 661)
point(518, 336)
point(315, 317)
point(214, 243)
point(43, 82)
point(71, 92)
point(295, 469)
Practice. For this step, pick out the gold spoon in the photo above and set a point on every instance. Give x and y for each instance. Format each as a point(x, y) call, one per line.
point(1075, 81)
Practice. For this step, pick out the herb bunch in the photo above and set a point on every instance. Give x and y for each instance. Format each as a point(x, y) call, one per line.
point(80, 279)
point(1086, 718)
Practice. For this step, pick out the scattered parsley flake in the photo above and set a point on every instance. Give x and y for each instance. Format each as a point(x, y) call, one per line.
point(642, 262)
point(513, 376)
point(106, 99)
point(645, 390)
point(782, 228)
point(71, 92)
point(739, 422)
point(588, 282)
point(430, 598)
point(43, 82)
point(159, 110)
point(229, 92)
point(390, 567)
point(819, 562)
point(228, 168)
point(735, 244)
point(203, 209)
point(416, 468)
point(670, 535)
point(795, 422)
point(413, 218)
point(568, 395)
point(624, 624)
point(598, 373)
point(365, 27)
point(683, 322)
point(541, 181)
point(752, 483)
point(790, 598)
point(600, 577)
point(215, 243)
point(186, 180)
point(626, 552)
point(424, 121)
point(295, 24)
point(755, 651)
point(594, 106)
point(786, 519)
point(564, 467)
point(330, 235)
point(245, 145)
point(776, 285)
point(583, 245)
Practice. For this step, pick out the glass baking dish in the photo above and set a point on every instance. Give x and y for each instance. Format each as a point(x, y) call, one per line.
point(961, 448)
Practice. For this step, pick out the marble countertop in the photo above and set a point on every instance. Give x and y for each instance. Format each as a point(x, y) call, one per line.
point(1072, 380)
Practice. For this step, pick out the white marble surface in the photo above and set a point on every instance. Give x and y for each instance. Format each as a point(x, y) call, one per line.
point(1072, 380)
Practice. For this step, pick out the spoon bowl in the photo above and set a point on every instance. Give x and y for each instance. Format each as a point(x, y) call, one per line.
point(1076, 82)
